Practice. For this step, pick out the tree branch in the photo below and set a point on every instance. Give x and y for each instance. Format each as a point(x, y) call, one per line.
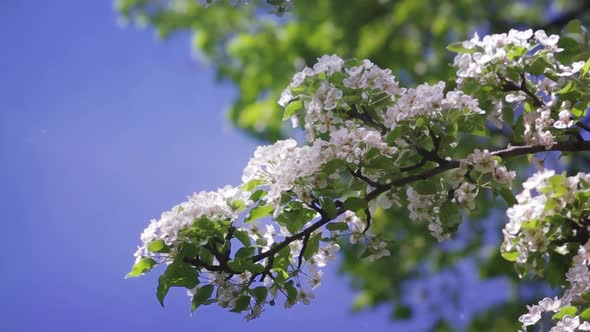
point(509, 85)
point(366, 119)
point(509, 152)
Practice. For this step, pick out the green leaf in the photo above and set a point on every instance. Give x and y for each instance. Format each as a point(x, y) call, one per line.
point(337, 226)
point(366, 253)
point(295, 216)
point(330, 208)
point(237, 266)
point(252, 184)
point(243, 237)
point(556, 269)
point(281, 276)
point(242, 303)
point(569, 310)
point(258, 212)
point(291, 291)
point(510, 256)
point(163, 287)
point(158, 246)
point(579, 110)
point(202, 296)
point(355, 204)
point(292, 108)
point(574, 26)
point(259, 293)
point(586, 68)
point(178, 274)
point(257, 195)
point(313, 245)
point(507, 195)
point(425, 187)
point(585, 315)
point(144, 265)
point(254, 267)
point(458, 47)
point(516, 51)
point(568, 88)
point(245, 252)
point(538, 66)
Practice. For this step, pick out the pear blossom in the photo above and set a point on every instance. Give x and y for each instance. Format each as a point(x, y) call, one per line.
point(363, 134)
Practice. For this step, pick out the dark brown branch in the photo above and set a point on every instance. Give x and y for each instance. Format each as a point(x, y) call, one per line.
point(414, 167)
point(289, 239)
point(506, 153)
point(366, 119)
point(509, 85)
point(528, 149)
point(368, 225)
point(303, 247)
point(580, 234)
point(267, 269)
point(317, 208)
point(358, 174)
point(426, 155)
point(196, 262)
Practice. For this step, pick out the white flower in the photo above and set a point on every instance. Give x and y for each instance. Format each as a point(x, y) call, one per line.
point(280, 165)
point(380, 251)
point(503, 175)
point(466, 194)
point(305, 297)
point(457, 99)
point(538, 180)
point(286, 97)
point(424, 100)
point(300, 77)
point(216, 205)
point(565, 120)
point(315, 279)
point(545, 40)
point(327, 96)
point(548, 304)
point(585, 326)
point(482, 161)
point(567, 324)
point(255, 313)
point(515, 97)
point(570, 71)
point(329, 64)
point(536, 125)
point(532, 317)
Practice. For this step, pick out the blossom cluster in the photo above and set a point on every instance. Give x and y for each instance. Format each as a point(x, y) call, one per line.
point(371, 143)
point(492, 55)
point(571, 310)
point(215, 206)
point(479, 169)
point(317, 94)
point(524, 65)
point(550, 210)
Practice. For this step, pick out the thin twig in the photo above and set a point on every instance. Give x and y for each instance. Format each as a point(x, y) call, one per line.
point(509, 152)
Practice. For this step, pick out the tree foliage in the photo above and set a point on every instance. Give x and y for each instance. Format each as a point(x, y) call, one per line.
point(260, 53)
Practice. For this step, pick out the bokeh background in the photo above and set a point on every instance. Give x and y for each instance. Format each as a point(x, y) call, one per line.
point(103, 127)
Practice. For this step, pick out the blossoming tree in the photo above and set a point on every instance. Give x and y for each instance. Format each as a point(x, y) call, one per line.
point(372, 145)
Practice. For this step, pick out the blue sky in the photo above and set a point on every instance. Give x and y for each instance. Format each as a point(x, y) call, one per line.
point(101, 129)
